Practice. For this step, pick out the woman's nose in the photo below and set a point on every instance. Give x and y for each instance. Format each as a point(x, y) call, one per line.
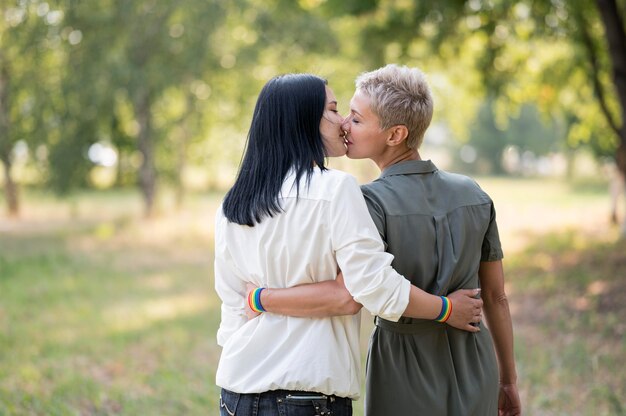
point(345, 125)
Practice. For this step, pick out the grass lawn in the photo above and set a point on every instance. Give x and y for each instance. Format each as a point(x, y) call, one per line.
point(103, 313)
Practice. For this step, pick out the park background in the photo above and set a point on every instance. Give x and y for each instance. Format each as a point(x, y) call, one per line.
point(122, 124)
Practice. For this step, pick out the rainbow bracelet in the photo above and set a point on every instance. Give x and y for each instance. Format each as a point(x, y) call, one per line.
point(254, 300)
point(446, 310)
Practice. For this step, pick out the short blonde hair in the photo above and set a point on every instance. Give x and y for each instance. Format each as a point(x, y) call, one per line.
point(399, 95)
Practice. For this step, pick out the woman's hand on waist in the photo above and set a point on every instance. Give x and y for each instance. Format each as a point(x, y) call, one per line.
point(466, 309)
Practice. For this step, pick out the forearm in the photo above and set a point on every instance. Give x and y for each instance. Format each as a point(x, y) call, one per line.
point(464, 308)
point(317, 300)
point(498, 317)
point(327, 299)
point(331, 298)
point(422, 305)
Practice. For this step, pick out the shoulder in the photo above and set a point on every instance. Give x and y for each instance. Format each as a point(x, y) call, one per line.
point(373, 189)
point(221, 222)
point(335, 175)
point(220, 226)
point(219, 214)
point(464, 185)
point(323, 185)
point(381, 189)
point(378, 185)
point(457, 179)
point(377, 194)
point(331, 181)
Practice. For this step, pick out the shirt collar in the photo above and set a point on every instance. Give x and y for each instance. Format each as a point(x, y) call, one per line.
point(409, 167)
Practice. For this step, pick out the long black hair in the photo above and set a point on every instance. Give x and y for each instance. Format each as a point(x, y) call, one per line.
point(284, 135)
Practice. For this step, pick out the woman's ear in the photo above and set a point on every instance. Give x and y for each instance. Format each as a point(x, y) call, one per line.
point(397, 135)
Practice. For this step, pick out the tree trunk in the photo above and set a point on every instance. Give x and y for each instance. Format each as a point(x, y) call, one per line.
point(620, 156)
point(616, 38)
point(183, 148)
point(181, 164)
point(10, 188)
point(147, 172)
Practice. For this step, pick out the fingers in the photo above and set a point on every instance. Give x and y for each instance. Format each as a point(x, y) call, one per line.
point(471, 328)
point(466, 309)
point(250, 314)
point(477, 302)
point(472, 293)
point(462, 295)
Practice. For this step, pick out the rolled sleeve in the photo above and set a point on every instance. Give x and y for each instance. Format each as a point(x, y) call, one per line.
point(492, 248)
point(366, 267)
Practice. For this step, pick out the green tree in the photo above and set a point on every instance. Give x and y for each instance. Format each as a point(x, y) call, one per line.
point(509, 33)
point(130, 56)
point(27, 35)
point(612, 16)
point(166, 45)
point(526, 132)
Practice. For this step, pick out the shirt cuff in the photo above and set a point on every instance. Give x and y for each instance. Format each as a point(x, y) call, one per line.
point(492, 255)
point(396, 307)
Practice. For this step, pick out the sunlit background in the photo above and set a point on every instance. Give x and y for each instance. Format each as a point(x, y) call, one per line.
point(122, 124)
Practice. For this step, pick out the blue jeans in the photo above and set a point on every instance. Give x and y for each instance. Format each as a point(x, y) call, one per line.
point(283, 403)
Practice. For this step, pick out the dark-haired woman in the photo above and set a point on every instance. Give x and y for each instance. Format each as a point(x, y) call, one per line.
point(288, 220)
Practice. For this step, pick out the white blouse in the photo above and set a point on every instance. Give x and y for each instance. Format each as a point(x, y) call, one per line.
point(326, 228)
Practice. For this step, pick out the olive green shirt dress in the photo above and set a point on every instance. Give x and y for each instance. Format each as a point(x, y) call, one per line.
point(439, 226)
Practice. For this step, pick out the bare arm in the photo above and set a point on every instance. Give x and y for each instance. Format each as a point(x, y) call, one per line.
point(498, 319)
point(316, 300)
point(465, 308)
point(331, 298)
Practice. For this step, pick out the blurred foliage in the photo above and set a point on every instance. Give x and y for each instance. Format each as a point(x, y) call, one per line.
point(525, 133)
point(515, 51)
point(170, 86)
